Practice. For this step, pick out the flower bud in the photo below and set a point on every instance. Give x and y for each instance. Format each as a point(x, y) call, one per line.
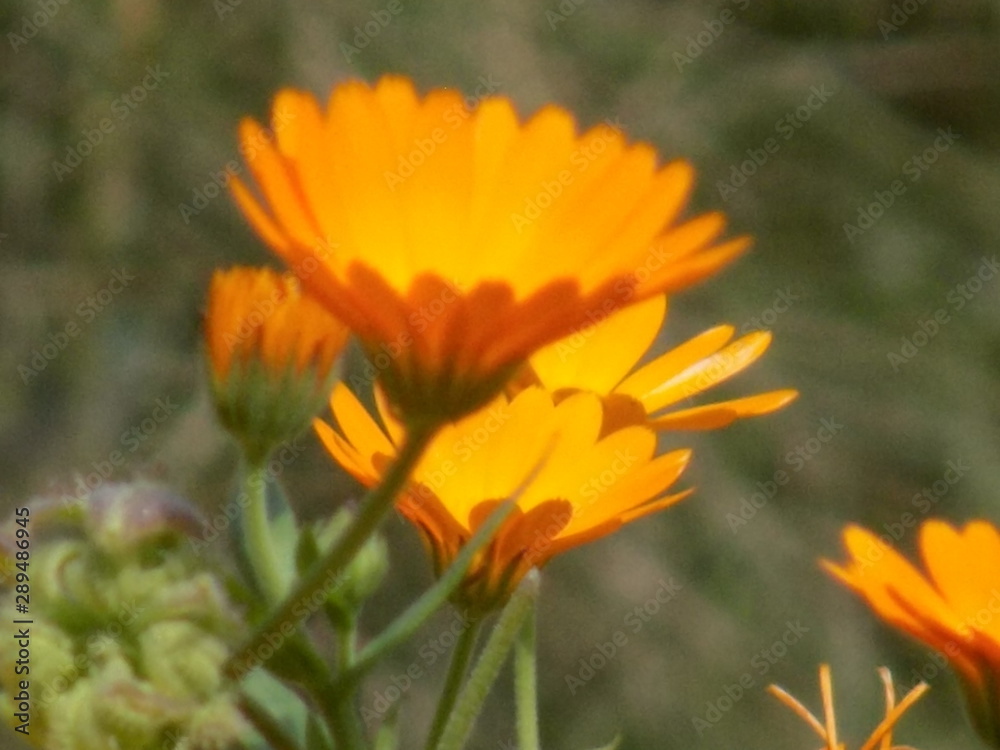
point(272, 351)
point(128, 629)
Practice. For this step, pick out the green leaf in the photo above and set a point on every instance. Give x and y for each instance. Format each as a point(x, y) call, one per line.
point(317, 736)
point(271, 699)
point(284, 529)
point(308, 552)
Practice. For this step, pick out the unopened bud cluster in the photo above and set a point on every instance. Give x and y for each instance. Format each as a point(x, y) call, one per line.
point(128, 630)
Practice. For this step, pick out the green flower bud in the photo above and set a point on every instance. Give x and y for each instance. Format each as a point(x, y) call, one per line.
point(125, 518)
point(182, 659)
point(217, 726)
point(365, 572)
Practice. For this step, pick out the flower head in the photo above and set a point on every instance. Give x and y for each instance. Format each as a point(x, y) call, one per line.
point(881, 738)
point(953, 607)
point(602, 357)
point(272, 351)
point(586, 486)
point(455, 242)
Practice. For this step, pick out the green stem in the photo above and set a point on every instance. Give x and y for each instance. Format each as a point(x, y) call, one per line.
point(341, 719)
point(526, 686)
point(323, 577)
point(276, 736)
point(347, 633)
point(484, 674)
point(260, 550)
point(404, 626)
point(460, 659)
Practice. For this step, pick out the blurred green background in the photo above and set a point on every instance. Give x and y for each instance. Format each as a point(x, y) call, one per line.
point(722, 84)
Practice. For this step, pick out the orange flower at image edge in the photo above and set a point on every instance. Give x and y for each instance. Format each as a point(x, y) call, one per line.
point(456, 242)
point(272, 352)
point(587, 485)
point(953, 607)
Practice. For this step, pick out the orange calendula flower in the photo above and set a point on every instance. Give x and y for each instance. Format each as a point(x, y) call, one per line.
point(272, 352)
point(953, 607)
point(881, 738)
point(600, 357)
point(586, 486)
point(455, 242)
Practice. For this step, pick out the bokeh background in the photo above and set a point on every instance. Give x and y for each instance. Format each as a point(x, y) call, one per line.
point(712, 82)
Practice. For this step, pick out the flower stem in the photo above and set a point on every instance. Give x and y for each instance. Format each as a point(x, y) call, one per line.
point(267, 726)
point(404, 626)
point(459, 665)
point(484, 674)
point(323, 576)
point(260, 550)
point(342, 719)
point(347, 633)
point(526, 685)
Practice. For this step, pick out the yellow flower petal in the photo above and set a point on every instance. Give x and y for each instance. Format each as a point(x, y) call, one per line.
point(585, 484)
point(581, 361)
